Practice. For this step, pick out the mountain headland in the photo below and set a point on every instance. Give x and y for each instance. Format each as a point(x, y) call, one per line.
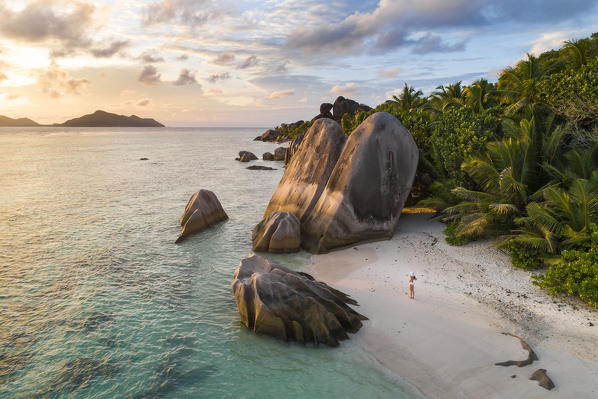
point(97, 119)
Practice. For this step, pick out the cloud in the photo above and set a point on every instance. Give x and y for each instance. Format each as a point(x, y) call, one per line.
point(185, 78)
point(347, 90)
point(215, 92)
point(224, 59)
point(549, 41)
point(50, 21)
point(217, 77)
point(144, 103)
point(149, 76)
point(182, 57)
point(150, 58)
point(399, 24)
point(109, 51)
point(190, 13)
point(281, 94)
point(3, 76)
point(248, 63)
point(391, 73)
point(57, 83)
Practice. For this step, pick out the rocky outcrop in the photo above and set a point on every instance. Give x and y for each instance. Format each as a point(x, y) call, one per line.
point(344, 106)
point(367, 189)
point(246, 156)
point(308, 171)
point(268, 135)
point(543, 379)
point(259, 167)
point(324, 112)
point(293, 147)
point(278, 233)
point(202, 211)
point(268, 156)
point(280, 153)
point(531, 355)
point(292, 306)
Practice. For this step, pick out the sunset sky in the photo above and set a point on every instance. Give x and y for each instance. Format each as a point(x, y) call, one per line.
point(258, 63)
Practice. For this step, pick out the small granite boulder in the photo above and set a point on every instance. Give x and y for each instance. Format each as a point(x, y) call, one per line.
point(268, 156)
point(268, 135)
point(246, 156)
point(291, 306)
point(278, 233)
point(202, 211)
point(280, 153)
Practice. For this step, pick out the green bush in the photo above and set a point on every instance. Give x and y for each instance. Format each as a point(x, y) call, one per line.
point(525, 257)
point(451, 236)
point(576, 274)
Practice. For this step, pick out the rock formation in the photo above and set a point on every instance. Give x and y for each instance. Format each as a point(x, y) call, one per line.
point(268, 135)
point(308, 171)
point(268, 156)
point(202, 211)
point(291, 306)
point(293, 147)
point(344, 106)
point(324, 112)
point(246, 156)
point(543, 379)
point(367, 189)
point(278, 233)
point(280, 153)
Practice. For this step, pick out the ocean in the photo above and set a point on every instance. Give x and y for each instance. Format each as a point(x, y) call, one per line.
point(96, 300)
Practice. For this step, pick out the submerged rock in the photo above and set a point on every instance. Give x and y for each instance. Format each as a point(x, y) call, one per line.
point(246, 156)
point(259, 167)
point(292, 306)
point(202, 211)
point(308, 171)
point(278, 233)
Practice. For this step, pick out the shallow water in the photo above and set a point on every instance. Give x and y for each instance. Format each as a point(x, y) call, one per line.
point(96, 300)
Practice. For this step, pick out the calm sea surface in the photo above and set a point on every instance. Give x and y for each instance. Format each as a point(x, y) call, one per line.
point(96, 300)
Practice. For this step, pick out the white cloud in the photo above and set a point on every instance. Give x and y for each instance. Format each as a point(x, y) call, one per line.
point(347, 90)
point(281, 94)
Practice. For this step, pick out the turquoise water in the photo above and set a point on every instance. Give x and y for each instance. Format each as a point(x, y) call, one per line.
point(98, 302)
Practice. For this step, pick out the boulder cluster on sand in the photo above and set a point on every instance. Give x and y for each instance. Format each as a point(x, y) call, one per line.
point(202, 211)
point(334, 111)
point(348, 190)
point(292, 306)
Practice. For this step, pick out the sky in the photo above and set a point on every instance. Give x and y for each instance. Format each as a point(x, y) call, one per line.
point(259, 63)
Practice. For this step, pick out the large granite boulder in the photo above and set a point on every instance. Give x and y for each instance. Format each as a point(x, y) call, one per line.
point(280, 153)
point(278, 233)
point(246, 156)
point(367, 189)
point(268, 135)
point(293, 147)
point(291, 306)
point(344, 106)
point(308, 171)
point(202, 211)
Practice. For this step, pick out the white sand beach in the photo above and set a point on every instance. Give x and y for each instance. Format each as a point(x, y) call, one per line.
point(447, 340)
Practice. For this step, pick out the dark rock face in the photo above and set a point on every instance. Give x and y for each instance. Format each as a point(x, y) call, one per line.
point(268, 135)
point(278, 233)
point(344, 106)
point(280, 153)
point(531, 355)
point(268, 156)
point(246, 156)
point(291, 306)
point(259, 167)
point(202, 211)
point(543, 380)
point(325, 108)
point(367, 189)
point(308, 171)
point(293, 147)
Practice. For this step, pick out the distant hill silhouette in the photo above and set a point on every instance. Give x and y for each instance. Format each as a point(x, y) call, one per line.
point(103, 118)
point(6, 121)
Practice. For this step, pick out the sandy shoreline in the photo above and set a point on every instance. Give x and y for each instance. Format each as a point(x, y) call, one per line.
point(446, 341)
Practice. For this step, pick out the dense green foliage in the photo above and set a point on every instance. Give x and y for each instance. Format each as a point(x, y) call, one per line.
point(575, 274)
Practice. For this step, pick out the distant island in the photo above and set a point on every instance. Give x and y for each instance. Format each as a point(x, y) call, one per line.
point(97, 119)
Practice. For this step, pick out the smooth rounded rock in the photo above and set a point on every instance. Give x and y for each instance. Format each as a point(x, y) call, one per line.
point(202, 211)
point(246, 156)
point(280, 153)
point(268, 156)
point(280, 232)
point(292, 306)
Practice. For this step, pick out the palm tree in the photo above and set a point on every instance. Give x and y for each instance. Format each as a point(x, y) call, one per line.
point(447, 96)
point(479, 95)
point(519, 85)
point(409, 98)
point(579, 50)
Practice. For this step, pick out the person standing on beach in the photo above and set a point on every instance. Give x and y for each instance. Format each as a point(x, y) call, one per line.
point(412, 279)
